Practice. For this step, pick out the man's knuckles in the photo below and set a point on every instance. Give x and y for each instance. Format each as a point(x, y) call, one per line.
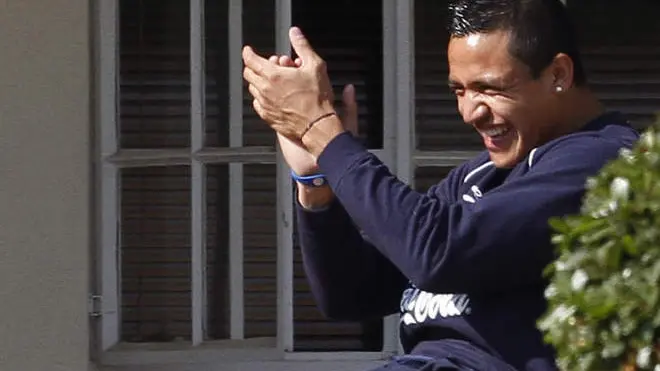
point(319, 66)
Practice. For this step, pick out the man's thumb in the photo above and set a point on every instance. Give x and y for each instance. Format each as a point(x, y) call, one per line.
point(350, 109)
point(301, 45)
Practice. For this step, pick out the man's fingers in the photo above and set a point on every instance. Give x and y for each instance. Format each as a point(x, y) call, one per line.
point(350, 109)
point(253, 78)
point(254, 92)
point(283, 61)
point(298, 62)
point(256, 63)
point(286, 61)
point(258, 108)
point(302, 47)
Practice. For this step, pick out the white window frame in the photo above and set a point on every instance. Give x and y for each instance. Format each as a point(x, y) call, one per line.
point(398, 153)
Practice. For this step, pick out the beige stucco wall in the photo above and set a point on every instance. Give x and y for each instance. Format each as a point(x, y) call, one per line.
point(44, 184)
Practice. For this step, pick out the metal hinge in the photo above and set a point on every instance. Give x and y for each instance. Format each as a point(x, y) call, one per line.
point(94, 306)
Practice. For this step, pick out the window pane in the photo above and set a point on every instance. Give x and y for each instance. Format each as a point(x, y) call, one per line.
point(438, 124)
point(259, 32)
point(217, 242)
point(154, 64)
point(353, 50)
point(260, 254)
point(428, 176)
point(155, 254)
point(314, 332)
point(353, 53)
point(155, 232)
point(259, 250)
point(216, 30)
point(622, 67)
point(593, 20)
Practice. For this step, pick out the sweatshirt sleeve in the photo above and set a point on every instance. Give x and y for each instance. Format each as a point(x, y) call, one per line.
point(349, 278)
point(443, 245)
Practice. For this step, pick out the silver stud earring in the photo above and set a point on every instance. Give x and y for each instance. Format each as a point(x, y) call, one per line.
point(559, 89)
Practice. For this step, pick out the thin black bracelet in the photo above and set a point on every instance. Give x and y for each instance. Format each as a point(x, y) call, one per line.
point(313, 122)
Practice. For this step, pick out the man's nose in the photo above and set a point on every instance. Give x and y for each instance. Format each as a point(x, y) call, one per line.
point(473, 110)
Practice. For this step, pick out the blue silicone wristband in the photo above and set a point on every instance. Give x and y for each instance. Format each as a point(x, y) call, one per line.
point(315, 180)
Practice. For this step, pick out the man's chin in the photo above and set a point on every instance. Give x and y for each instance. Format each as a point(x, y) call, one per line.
point(504, 160)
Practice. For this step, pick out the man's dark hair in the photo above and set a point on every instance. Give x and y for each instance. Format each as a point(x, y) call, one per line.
point(540, 29)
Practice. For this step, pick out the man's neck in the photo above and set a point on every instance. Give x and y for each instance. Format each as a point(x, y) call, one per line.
point(581, 107)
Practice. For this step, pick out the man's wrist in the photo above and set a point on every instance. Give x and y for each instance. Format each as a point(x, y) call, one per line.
point(314, 198)
point(311, 180)
point(321, 134)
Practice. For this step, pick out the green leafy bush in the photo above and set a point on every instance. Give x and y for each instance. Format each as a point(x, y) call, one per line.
point(604, 292)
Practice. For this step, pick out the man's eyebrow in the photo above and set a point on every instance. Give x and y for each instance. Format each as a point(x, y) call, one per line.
point(483, 82)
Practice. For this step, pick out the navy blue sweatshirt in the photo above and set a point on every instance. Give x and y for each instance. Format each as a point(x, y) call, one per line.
point(463, 262)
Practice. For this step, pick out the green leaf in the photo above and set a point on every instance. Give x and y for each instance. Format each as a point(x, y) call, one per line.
point(598, 232)
point(652, 295)
point(559, 225)
point(656, 320)
point(587, 225)
point(654, 274)
point(629, 245)
point(613, 349)
point(587, 362)
point(609, 255)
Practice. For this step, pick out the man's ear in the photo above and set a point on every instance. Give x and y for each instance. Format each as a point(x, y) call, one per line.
point(560, 72)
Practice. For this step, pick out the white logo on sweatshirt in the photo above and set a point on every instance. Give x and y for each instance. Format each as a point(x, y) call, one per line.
point(419, 306)
point(476, 194)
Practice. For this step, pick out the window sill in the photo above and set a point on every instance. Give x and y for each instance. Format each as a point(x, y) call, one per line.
point(222, 352)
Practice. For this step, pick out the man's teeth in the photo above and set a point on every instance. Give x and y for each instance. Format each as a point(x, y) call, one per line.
point(496, 132)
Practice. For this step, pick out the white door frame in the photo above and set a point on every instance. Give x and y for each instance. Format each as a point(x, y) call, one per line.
point(107, 174)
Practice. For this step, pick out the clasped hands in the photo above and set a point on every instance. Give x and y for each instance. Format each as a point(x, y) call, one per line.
point(289, 95)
